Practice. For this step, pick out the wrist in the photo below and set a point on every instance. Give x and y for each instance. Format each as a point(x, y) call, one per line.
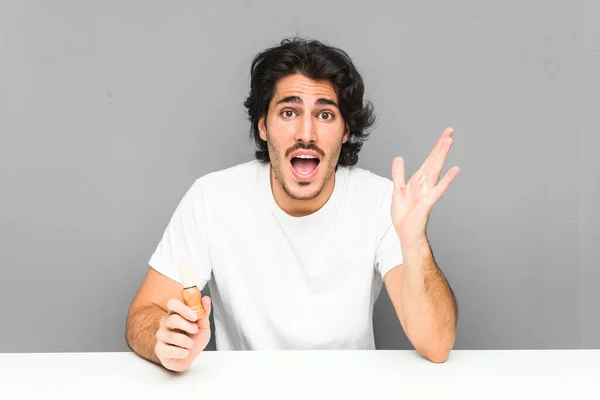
point(411, 238)
point(414, 245)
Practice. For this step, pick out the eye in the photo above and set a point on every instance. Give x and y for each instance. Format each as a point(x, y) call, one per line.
point(288, 113)
point(328, 114)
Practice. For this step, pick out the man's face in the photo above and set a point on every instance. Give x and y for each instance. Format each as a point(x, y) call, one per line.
point(304, 131)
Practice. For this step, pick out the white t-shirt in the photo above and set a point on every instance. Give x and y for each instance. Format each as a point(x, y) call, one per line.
point(279, 282)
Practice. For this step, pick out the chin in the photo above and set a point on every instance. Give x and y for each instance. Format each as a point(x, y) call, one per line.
point(303, 190)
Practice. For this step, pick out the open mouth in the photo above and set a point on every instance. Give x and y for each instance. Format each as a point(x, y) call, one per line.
point(305, 166)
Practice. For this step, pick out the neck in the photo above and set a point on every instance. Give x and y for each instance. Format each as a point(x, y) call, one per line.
point(300, 208)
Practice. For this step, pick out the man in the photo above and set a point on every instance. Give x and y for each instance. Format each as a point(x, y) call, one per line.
point(296, 245)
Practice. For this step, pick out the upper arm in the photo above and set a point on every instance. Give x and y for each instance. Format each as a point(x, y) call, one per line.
point(156, 289)
point(393, 280)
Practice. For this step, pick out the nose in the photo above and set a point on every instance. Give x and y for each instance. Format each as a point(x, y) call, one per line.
point(306, 130)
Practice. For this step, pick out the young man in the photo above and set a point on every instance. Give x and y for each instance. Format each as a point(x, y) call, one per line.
point(296, 245)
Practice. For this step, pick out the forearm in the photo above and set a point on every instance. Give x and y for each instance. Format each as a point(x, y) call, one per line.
point(141, 331)
point(428, 302)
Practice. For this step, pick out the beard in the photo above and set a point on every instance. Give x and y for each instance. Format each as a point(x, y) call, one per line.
point(279, 162)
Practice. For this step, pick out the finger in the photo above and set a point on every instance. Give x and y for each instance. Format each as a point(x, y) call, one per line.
point(398, 172)
point(448, 132)
point(435, 168)
point(174, 338)
point(176, 306)
point(164, 350)
point(438, 191)
point(176, 321)
point(204, 322)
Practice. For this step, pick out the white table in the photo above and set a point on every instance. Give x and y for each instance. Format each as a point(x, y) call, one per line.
point(381, 375)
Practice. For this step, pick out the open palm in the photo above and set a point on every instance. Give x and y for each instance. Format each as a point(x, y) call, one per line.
point(412, 202)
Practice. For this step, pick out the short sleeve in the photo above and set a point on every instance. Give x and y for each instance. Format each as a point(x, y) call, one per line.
point(388, 252)
point(185, 237)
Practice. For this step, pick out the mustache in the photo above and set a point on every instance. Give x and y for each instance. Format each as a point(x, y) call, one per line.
point(303, 146)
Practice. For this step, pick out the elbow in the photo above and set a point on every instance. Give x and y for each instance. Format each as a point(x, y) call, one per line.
point(437, 351)
point(129, 332)
point(437, 357)
point(127, 336)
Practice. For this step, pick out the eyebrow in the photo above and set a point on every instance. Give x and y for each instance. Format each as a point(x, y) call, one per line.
point(297, 100)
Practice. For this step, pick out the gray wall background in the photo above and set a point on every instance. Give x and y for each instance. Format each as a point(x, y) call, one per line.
point(109, 111)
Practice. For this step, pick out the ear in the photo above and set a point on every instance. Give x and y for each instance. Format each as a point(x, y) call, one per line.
point(346, 134)
point(262, 129)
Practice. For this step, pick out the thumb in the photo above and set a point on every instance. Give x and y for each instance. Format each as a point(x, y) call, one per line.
point(398, 172)
point(204, 322)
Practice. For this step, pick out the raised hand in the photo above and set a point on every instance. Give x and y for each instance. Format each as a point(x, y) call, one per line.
point(412, 202)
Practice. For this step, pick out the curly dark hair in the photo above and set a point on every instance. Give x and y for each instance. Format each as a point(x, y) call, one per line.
point(317, 61)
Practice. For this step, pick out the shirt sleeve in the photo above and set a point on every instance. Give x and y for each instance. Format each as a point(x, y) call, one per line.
point(185, 237)
point(388, 252)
